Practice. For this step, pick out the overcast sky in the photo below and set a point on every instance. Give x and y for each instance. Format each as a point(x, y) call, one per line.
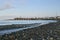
point(29, 8)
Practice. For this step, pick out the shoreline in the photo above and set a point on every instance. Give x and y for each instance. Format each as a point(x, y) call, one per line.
point(14, 26)
point(42, 32)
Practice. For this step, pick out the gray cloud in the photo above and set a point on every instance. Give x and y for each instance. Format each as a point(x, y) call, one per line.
point(6, 5)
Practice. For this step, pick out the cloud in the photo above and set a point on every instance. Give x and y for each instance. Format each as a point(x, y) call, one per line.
point(6, 5)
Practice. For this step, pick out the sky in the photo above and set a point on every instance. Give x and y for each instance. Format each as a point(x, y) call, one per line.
point(29, 8)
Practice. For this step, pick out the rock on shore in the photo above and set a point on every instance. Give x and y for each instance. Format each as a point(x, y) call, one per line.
point(49, 31)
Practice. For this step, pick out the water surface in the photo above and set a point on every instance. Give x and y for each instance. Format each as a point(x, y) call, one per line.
point(10, 22)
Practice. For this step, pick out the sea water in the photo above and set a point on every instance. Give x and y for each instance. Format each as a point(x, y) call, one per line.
point(10, 22)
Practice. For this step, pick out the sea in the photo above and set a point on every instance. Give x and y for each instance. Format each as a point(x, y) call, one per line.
point(10, 22)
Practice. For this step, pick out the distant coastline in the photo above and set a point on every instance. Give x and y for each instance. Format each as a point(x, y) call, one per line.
point(37, 18)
